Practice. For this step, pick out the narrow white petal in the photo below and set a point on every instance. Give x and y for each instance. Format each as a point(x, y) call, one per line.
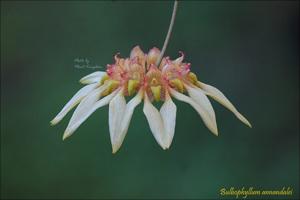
point(86, 103)
point(201, 99)
point(73, 102)
point(220, 97)
point(82, 114)
point(125, 118)
point(94, 77)
point(155, 122)
point(168, 114)
point(208, 121)
point(117, 107)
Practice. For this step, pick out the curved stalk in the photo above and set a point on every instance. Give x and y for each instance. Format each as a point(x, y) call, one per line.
point(168, 34)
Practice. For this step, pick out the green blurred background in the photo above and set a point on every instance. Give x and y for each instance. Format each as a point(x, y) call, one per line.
point(249, 50)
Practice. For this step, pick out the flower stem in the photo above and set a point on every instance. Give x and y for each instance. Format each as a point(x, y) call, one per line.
point(168, 34)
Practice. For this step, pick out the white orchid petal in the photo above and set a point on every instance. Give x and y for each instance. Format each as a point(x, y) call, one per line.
point(94, 77)
point(155, 122)
point(86, 103)
point(82, 115)
point(73, 102)
point(83, 108)
point(168, 114)
point(201, 99)
point(117, 107)
point(208, 121)
point(220, 97)
point(127, 115)
point(126, 120)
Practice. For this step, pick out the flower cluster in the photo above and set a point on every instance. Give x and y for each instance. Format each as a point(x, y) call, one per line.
point(138, 75)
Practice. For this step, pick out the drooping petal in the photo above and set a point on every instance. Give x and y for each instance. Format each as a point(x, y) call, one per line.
point(208, 121)
point(84, 106)
point(123, 116)
point(220, 97)
point(86, 103)
point(129, 111)
point(201, 99)
point(117, 107)
point(86, 109)
point(155, 122)
point(73, 102)
point(168, 114)
point(94, 77)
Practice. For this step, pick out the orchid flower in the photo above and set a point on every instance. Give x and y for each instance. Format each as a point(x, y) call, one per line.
point(140, 77)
